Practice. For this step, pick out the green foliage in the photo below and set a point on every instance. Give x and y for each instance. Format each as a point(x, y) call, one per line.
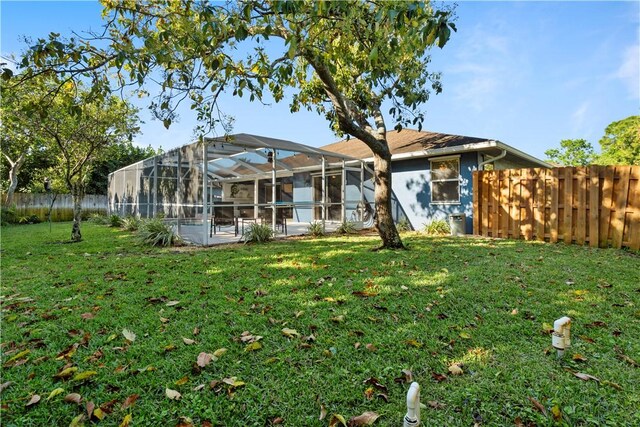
point(438, 227)
point(572, 152)
point(404, 225)
point(8, 215)
point(258, 233)
point(98, 218)
point(115, 220)
point(480, 302)
point(621, 143)
point(316, 229)
point(29, 219)
point(346, 227)
point(157, 232)
point(131, 223)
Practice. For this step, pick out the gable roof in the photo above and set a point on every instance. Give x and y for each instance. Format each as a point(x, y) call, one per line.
point(412, 143)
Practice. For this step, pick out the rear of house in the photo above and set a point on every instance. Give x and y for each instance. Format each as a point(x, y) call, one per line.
point(431, 172)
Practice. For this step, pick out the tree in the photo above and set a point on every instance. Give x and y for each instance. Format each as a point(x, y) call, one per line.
point(572, 152)
point(19, 138)
point(80, 129)
point(341, 59)
point(621, 142)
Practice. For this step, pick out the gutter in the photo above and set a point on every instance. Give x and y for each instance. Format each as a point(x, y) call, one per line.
point(492, 159)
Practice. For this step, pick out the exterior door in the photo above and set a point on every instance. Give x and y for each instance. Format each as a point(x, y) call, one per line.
point(333, 189)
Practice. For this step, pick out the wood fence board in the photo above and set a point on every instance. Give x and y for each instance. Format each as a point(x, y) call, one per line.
point(495, 203)
point(526, 204)
point(476, 179)
point(515, 204)
point(605, 210)
point(567, 234)
point(634, 203)
point(594, 206)
point(553, 223)
point(622, 193)
point(581, 205)
point(539, 213)
point(485, 203)
point(504, 203)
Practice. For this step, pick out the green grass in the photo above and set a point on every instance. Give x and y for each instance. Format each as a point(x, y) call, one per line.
point(479, 302)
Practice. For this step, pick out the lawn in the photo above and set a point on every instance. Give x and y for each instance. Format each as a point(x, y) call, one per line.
point(339, 325)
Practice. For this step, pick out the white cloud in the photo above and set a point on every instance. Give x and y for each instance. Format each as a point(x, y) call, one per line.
point(629, 71)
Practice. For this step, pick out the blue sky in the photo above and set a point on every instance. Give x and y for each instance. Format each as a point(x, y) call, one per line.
point(526, 73)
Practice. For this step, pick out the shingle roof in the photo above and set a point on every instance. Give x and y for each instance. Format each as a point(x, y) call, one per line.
point(405, 141)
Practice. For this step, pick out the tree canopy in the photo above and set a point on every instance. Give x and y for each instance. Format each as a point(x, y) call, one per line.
point(572, 152)
point(621, 142)
point(341, 59)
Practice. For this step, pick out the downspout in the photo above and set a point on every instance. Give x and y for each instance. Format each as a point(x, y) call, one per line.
point(492, 159)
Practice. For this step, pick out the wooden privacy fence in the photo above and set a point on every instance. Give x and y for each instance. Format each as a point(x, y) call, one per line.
point(598, 205)
point(38, 204)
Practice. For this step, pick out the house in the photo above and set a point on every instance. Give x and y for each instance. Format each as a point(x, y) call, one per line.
point(432, 172)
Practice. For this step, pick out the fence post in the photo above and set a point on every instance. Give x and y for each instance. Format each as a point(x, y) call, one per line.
point(594, 206)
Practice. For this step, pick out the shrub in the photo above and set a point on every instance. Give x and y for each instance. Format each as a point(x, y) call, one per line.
point(258, 233)
point(115, 220)
point(438, 227)
point(346, 227)
point(403, 225)
point(156, 232)
point(131, 223)
point(316, 229)
point(29, 219)
point(98, 218)
point(8, 215)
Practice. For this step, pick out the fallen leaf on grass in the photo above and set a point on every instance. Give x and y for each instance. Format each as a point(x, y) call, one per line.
point(337, 419)
point(290, 333)
point(337, 319)
point(18, 356)
point(371, 347)
point(557, 414)
point(130, 401)
point(129, 336)
point(413, 343)
point(73, 398)
point(538, 406)
point(99, 413)
point(172, 394)
point(219, 352)
point(5, 385)
point(87, 316)
point(465, 336)
point(376, 383)
point(277, 421)
point(82, 376)
point(205, 358)
point(77, 421)
point(126, 421)
point(438, 377)
point(612, 384)
point(182, 381)
point(455, 369)
point(172, 303)
point(253, 346)
point(233, 382)
point(198, 387)
point(585, 377)
point(323, 412)
point(435, 404)
point(579, 358)
point(366, 419)
point(54, 393)
point(34, 399)
point(89, 408)
point(188, 341)
point(248, 337)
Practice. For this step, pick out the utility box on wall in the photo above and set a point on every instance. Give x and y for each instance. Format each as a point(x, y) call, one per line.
point(457, 223)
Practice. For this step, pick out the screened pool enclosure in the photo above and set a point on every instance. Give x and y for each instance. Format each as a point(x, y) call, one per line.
point(214, 189)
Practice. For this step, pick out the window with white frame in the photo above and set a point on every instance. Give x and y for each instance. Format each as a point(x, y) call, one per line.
point(445, 180)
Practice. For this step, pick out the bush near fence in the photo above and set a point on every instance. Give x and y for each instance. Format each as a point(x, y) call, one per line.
point(27, 204)
point(595, 205)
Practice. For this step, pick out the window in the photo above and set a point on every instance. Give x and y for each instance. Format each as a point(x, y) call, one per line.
point(445, 182)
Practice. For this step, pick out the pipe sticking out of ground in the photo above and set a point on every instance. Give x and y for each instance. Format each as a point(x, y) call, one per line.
point(561, 336)
point(412, 418)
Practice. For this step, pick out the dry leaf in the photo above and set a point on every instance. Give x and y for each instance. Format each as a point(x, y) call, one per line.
point(371, 347)
point(126, 421)
point(5, 385)
point(188, 341)
point(455, 369)
point(579, 358)
point(277, 421)
point(219, 352)
point(205, 358)
point(130, 401)
point(253, 346)
point(233, 382)
point(84, 375)
point(438, 377)
point(366, 419)
point(34, 399)
point(465, 336)
point(557, 414)
point(130, 336)
point(73, 398)
point(66, 373)
point(77, 421)
point(196, 331)
point(414, 343)
point(54, 393)
point(172, 394)
point(198, 387)
point(337, 419)
point(435, 404)
point(323, 412)
point(585, 377)
point(90, 407)
point(182, 381)
point(338, 319)
point(290, 333)
point(87, 316)
point(99, 413)
point(172, 303)
point(538, 406)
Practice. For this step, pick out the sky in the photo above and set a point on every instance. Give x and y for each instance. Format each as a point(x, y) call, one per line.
point(529, 74)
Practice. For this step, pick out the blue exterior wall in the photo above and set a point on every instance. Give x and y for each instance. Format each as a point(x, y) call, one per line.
point(411, 186)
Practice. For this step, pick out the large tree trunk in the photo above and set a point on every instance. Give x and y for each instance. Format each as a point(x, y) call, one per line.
point(382, 196)
point(13, 176)
point(77, 195)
